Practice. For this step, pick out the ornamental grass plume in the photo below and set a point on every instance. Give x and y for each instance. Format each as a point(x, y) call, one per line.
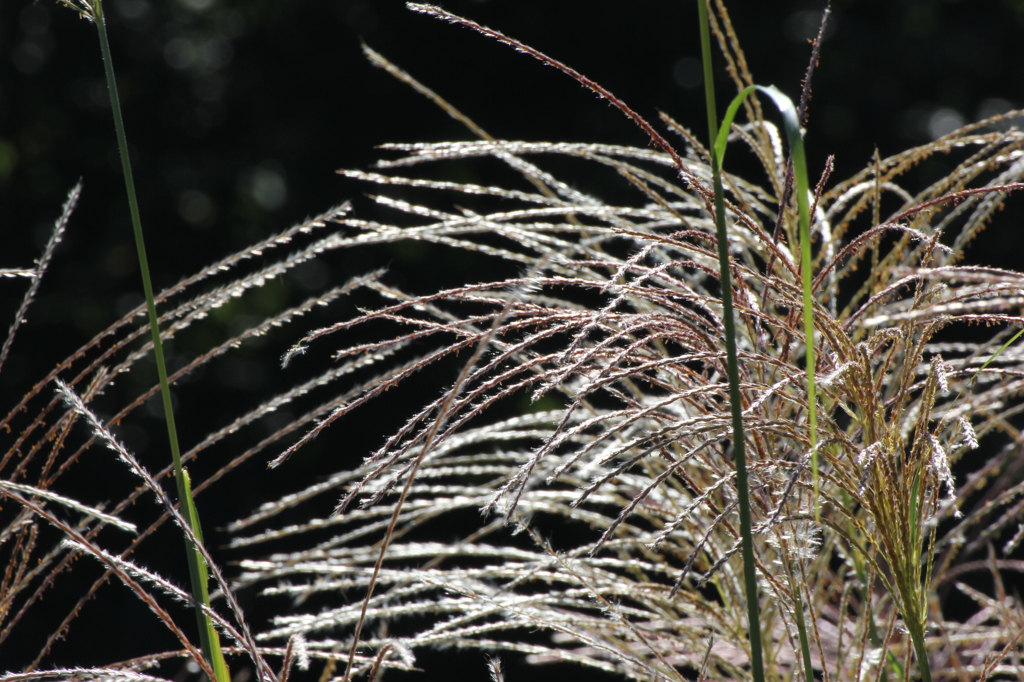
point(569, 492)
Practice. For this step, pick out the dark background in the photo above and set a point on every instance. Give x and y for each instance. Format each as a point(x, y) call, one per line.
point(239, 112)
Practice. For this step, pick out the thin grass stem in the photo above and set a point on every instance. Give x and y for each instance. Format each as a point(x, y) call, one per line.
point(198, 571)
point(732, 365)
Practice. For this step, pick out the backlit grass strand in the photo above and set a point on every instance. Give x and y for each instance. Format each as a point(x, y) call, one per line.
point(198, 571)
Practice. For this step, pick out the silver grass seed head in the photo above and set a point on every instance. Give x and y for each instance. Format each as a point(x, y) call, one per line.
point(85, 8)
point(494, 666)
point(967, 432)
point(942, 370)
point(940, 467)
point(1015, 541)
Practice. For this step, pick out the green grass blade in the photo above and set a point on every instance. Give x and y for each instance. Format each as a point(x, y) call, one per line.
point(709, 72)
point(208, 636)
point(791, 121)
point(995, 355)
point(796, 147)
point(735, 402)
point(915, 492)
point(801, 626)
point(198, 570)
point(915, 621)
point(792, 126)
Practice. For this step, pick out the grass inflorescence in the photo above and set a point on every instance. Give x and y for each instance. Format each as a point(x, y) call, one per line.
point(794, 504)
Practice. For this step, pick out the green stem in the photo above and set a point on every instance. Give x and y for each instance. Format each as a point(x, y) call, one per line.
point(742, 485)
point(196, 564)
point(922, 655)
point(801, 627)
point(789, 115)
point(915, 601)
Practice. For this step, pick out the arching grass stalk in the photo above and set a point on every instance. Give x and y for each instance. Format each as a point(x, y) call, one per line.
point(719, 138)
point(791, 122)
point(738, 439)
point(198, 571)
point(792, 125)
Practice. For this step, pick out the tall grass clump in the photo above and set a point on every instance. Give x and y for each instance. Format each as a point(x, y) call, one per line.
point(574, 489)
